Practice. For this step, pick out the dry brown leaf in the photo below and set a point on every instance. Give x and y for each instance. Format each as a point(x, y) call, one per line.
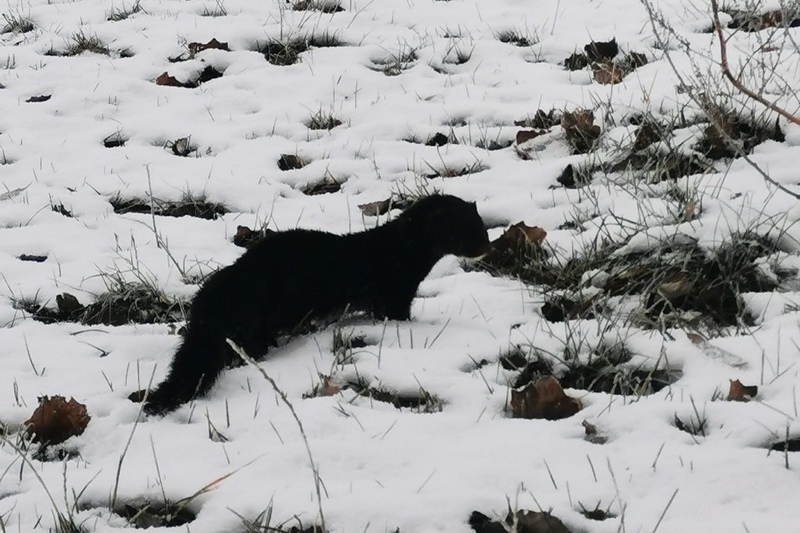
point(517, 236)
point(168, 81)
point(582, 119)
point(580, 129)
point(328, 387)
point(535, 522)
point(533, 235)
point(696, 338)
point(544, 398)
point(214, 44)
point(741, 393)
point(675, 285)
point(526, 135)
point(690, 210)
point(608, 74)
point(647, 134)
point(374, 209)
point(592, 435)
point(56, 420)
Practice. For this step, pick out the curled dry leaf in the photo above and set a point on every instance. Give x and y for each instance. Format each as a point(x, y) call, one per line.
point(515, 241)
point(544, 398)
point(56, 420)
point(741, 393)
point(519, 235)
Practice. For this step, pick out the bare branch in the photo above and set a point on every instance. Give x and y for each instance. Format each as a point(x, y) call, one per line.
point(723, 59)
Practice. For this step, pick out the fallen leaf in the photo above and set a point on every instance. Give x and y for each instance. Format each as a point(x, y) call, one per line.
point(213, 44)
point(580, 129)
point(521, 521)
point(328, 387)
point(675, 284)
point(535, 522)
point(576, 62)
point(601, 51)
point(137, 396)
point(289, 162)
point(209, 73)
point(68, 304)
point(689, 210)
point(169, 81)
point(373, 209)
point(56, 420)
point(540, 120)
point(607, 73)
point(696, 338)
point(526, 135)
point(439, 139)
point(592, 435)
point(544, 398)
point(647, 134)
point(741, 393)
point(41, 98)
point(516, 240)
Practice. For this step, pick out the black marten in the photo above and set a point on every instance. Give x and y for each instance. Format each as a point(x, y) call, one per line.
point(291, 277)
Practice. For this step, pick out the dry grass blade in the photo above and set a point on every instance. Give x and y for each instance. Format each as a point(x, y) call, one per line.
point(285, 399)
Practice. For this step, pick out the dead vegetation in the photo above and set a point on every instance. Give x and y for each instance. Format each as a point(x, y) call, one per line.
point(286, 51)
point(675, 279)
point(124, 303)
point(190, 205)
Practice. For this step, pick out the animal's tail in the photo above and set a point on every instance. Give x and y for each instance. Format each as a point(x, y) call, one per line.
point(200, 359)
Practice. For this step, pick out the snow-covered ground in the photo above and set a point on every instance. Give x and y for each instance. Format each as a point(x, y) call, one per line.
point(383, 468)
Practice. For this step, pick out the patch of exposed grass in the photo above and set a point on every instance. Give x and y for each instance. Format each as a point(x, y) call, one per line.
point(81, 42)
point(116, 14)
point(397, 62)
point(16, 22)
point(284, 52)
point(517, 37)
point(323, 6)
point(189, 205)
point(322, 120)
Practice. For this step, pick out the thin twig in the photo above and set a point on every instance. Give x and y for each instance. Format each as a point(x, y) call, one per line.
point(723, 59)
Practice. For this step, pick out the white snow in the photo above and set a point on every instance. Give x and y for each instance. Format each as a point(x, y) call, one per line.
point(382, 468)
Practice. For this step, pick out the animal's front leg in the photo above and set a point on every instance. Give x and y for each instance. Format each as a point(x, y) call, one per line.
point(396, 306)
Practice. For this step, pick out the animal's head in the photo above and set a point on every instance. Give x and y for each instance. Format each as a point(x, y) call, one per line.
point(450, 225)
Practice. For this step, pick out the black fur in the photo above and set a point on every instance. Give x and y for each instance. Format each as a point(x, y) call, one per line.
point(293, 276)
